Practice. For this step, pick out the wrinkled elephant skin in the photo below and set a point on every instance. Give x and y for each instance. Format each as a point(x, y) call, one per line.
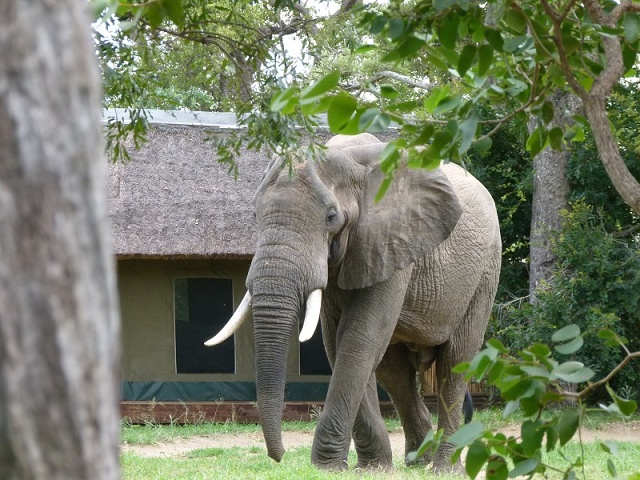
point(405, 282)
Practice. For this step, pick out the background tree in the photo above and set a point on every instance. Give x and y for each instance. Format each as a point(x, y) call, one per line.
point(59, 356)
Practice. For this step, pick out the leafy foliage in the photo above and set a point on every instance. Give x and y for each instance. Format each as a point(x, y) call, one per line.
point(532, 382)
point(596, 286)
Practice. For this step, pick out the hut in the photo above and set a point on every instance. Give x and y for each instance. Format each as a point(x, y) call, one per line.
point(183, 235)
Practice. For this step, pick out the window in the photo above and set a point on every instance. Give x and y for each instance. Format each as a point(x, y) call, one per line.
point(202, 307)
point(313, 358)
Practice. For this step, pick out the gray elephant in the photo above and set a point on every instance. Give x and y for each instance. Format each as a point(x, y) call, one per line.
point(398, 284)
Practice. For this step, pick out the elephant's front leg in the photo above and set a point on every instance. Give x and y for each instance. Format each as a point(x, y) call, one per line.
point(370, 434)
point(368, 319)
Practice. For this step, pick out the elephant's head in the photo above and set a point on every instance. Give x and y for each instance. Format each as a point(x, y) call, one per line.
point(320, 224)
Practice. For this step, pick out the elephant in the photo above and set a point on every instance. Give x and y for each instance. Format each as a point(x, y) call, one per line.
point(397, 284)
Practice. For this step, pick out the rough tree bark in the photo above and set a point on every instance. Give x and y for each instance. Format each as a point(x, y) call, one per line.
point(550, 197)
point(59, 325)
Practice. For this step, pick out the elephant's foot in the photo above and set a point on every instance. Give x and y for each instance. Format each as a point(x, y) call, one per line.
point(330, 456)
point(339, 466)
point(377, 457)
point(377, 466)
point(442, 462)
point(421, 461)
point(445, 466)
point(413, 441)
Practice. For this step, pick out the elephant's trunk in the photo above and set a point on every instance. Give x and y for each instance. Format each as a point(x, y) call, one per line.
point(272, 329)
point(280, 280)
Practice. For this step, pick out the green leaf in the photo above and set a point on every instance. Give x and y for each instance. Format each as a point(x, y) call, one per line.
point(402, 107)
point(430, 443)
point(494, 37)
point(540, 350)
point(609, 447)
point(517, 44)
point(425, 135)
point(536, 372)
point(155, 14)
point(552, 438)
point(566, 333)
point(99, 6)
point(461, 367)
point(483, 146)
point(466, 58)
point(573, 372)
point(448, 30)
point(497, 468)
point(365, 49)
point(440, 5)
point(568, 424)
point(432, 100)
point(611, 338)
point(629, 55)
point(611, 468)
point(396, 28)
point(497, 345)
point(485, 59)
point(314, 92)
point(285, 100)
point(447, 104)
point(340, 112)
point(516, 20)
point(378, 24)
point(570, 347)
point(466, 434)
point(386, 183)
point(536, 141)
point(511, 407)
point(373, 120)
point(477, 456)
point(441, 140)
point(547, 112)
point(556, 138)
point(626, 407)
point(631, 26)
point(409, 47)
point(388, 91)
point(532, 436)
point(524, 467)
point(174, 10)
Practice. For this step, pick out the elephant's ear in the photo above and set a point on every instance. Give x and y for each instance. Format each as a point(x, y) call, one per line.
point(417, 213)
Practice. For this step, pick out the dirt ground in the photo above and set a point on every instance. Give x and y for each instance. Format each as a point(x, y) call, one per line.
point(629, 432)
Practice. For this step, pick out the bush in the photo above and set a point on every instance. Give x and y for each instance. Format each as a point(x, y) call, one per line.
point(596, 285)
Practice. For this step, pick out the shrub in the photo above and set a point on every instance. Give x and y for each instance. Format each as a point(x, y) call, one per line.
point(596, 285)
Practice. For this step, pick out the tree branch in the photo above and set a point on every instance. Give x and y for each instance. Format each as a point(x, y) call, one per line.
point(562, 53)
point(626, 231)
point(592, 386)
point(402, 79)
point(614, 67)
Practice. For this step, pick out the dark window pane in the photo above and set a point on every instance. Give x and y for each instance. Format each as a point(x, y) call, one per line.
point(313, 359)
point(202, 307)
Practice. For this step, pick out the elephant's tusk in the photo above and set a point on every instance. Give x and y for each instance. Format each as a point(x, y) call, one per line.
point(241, 314)
point(312, 315)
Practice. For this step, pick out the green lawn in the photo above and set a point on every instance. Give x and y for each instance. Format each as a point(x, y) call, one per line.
point(253, 463)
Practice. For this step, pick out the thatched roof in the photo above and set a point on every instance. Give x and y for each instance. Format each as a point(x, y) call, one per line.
point(174, 200)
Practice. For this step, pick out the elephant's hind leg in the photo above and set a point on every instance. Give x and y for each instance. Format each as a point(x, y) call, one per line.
point(397, 375)
point(464, 344)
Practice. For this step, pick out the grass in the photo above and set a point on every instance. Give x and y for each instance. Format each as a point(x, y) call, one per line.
point(253, 463)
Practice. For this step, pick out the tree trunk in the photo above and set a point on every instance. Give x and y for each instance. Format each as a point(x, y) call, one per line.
point(59, 325)
point(550, 197)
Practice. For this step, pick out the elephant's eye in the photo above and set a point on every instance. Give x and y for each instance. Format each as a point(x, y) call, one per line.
point(332, 215)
